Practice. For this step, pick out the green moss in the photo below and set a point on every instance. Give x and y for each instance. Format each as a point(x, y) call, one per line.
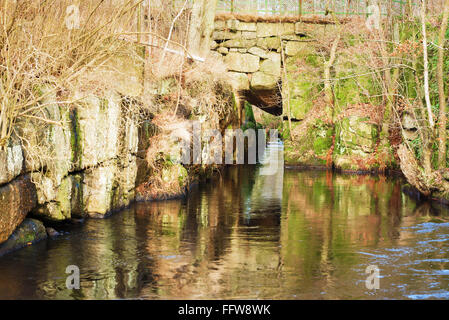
point(249, 114)
point(322, 144)
point(314, 60)
point(312, 148)
point(75, 138)
point(353, 90)
point(299, 107)
point(248, 125)
point(183, 176)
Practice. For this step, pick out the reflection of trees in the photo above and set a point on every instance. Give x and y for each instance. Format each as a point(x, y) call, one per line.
point(235, 237)
point(211, 217)
point(328, 215)
point(105, 251)
point(230, 232)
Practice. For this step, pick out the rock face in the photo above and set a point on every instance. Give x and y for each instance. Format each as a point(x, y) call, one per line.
point(29, 232)
point(82, 163)
point(356, 139)
point(16, 200)
point(265, 29)
point(98, 140)
point(11, 160)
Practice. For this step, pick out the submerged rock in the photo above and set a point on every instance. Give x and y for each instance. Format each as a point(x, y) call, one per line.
point(52, 233)
point(29, 232)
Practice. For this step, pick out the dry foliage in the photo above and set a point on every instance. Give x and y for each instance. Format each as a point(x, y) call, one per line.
point(277, 18)
point(200, 91)
point(37, 49)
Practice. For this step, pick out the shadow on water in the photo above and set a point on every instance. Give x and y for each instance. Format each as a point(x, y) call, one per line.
point(292, 235)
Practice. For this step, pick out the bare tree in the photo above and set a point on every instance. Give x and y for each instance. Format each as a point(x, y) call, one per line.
point(201, 26)
point(426, 65)
point(427, 147)
point(442, 96)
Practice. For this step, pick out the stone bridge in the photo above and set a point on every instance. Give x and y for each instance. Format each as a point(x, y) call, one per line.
point(255, 53)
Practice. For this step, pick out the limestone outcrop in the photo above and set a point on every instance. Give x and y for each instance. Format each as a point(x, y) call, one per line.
point(81, 161)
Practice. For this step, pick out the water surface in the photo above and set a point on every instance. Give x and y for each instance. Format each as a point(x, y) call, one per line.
point(293, 235)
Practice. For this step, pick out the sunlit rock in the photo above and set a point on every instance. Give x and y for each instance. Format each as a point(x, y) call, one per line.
point(242, 62)
point(16, 199)
point(11, 159)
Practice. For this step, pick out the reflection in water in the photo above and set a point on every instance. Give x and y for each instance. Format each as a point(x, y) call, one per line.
point(293, 235)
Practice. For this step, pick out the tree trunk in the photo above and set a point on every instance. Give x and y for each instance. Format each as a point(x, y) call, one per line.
point(411, 170)
point(442, 97)
point(329, 93)
point(426, 66)
point(201, 26)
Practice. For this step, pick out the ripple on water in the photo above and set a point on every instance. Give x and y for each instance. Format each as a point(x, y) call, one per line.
point(433, 295)
point(428, 227)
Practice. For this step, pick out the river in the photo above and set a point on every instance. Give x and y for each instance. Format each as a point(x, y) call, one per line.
point(244, 235)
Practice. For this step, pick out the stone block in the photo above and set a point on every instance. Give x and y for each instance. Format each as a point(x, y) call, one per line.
point(263, 81)
point(239, 43)
point(258, 52)
point(265, 29)
point(239, 80)
point(223, 50)
point(249, 35)
point(226, 35)
point(213, 45)
point(292, 48)
point(271, 43)
point(271, 67)
point(242, 62)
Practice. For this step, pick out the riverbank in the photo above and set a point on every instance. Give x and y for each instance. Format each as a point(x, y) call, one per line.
point(105, 150)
